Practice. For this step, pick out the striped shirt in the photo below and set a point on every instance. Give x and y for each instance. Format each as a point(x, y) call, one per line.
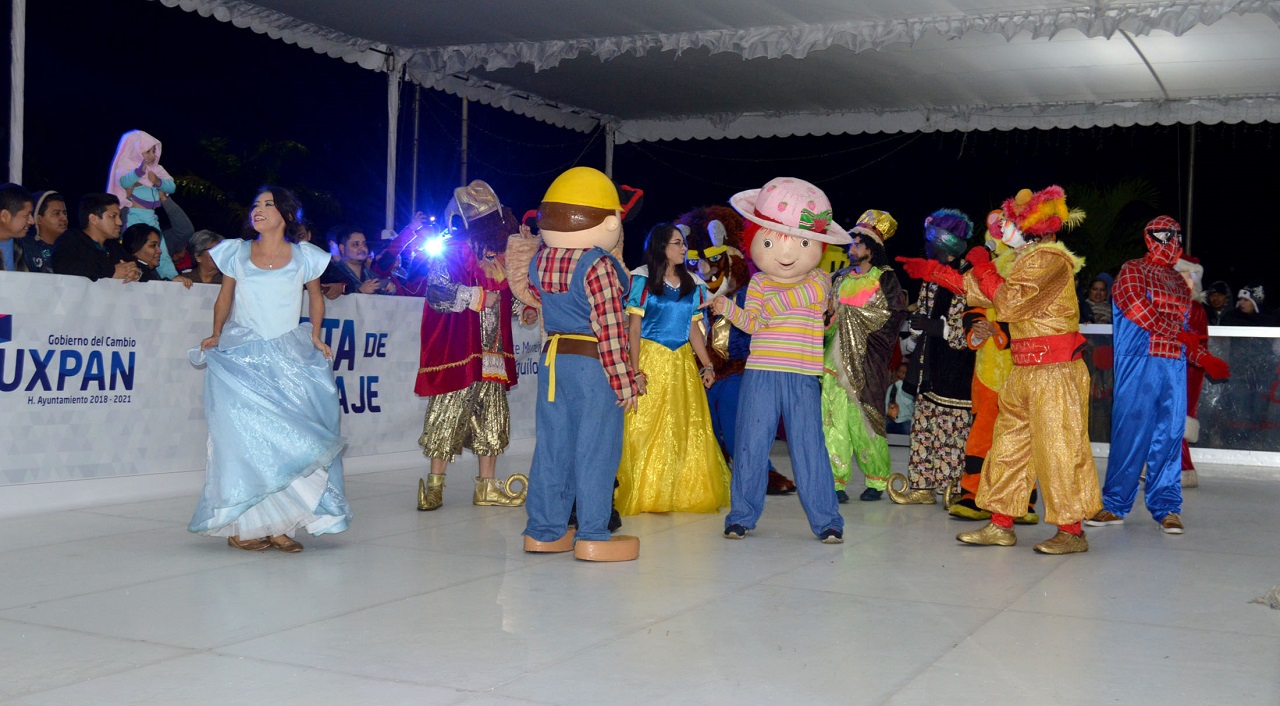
point(785, 322)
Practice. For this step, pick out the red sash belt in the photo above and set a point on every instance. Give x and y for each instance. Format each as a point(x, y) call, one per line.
point(1043, 350)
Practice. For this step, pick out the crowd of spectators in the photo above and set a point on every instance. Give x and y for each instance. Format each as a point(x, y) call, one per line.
point(36, 236)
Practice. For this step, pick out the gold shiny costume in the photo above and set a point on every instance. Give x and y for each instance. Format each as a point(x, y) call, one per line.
point(475, 417)
point(1041, 433)
point(857, 346)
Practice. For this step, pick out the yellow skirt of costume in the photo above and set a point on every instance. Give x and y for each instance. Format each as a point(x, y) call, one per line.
point(671, 461)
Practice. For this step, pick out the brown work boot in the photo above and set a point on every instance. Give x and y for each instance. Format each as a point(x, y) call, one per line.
point(1063, 543)
point(991, 534)
point(1171, 524)
point(1104, 518)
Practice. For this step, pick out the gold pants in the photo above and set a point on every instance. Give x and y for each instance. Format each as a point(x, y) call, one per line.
point(475, 417)
point(1042, 434)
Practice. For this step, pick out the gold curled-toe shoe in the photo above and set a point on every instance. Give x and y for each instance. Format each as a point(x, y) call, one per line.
point(901, 493)
point(1063, 543)
point(491, 492)
point(991, 534)
point(431, 491)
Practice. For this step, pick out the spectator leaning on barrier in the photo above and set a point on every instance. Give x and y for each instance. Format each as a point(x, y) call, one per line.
point(899, 404)
point(204, 270)
point(15, 218)
point(95, 252)
point(352, 269)
point(142, 242)
point(50, 223)
point(1218, 302)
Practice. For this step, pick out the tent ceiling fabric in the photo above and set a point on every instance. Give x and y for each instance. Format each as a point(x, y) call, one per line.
point(683, 69)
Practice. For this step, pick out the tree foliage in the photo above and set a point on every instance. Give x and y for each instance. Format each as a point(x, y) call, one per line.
point(220, 194)
point(1111, 233)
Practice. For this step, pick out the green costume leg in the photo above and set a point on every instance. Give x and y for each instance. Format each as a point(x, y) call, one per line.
point(871, 449)
point(837, 410)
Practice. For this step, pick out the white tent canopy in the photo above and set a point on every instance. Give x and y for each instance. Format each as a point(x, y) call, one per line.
point(686, 69)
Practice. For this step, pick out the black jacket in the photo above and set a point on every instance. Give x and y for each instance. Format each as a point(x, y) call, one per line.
point(77, 254)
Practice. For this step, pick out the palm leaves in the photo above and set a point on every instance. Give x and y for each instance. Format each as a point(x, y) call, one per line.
point(223, 192)
point(1111, 234)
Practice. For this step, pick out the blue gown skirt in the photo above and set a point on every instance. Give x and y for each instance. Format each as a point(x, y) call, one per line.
point(274, 449)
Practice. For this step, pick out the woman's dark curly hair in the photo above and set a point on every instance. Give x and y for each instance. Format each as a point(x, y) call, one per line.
point(289, 208)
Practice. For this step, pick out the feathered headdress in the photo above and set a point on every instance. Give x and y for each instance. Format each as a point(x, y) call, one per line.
point(1042, 212)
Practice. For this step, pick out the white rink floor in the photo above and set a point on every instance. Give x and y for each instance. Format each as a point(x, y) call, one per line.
point(120, 605)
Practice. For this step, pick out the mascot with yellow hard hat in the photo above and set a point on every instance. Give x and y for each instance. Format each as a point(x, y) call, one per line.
point(586, 383)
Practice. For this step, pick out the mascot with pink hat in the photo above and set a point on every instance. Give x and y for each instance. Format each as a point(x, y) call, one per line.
point(790, 221)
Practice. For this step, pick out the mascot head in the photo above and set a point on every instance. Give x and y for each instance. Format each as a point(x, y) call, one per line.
point(790, 223)
point(714, 236)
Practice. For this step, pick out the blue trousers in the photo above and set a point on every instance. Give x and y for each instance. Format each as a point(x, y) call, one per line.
point(1148, 420)
point(797, 399)
point(722, 398)
point(576, 455)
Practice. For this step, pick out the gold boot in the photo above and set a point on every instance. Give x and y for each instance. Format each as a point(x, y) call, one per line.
point(1063, 543)
point(991, 534)
point(900, 492)
point(492, 492)
point(430, 491)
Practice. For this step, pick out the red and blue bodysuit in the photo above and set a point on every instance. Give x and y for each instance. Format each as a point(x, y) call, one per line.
point(1150, 307)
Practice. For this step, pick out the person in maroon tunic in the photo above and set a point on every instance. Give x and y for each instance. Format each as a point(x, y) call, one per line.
point(467, 360)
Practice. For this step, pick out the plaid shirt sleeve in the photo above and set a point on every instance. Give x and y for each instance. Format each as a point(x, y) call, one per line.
point(609, 321)
point(555, 268)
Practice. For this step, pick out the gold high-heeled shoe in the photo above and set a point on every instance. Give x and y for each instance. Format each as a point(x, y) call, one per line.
point(431, 491)
point(491, 492)
point(901, 493)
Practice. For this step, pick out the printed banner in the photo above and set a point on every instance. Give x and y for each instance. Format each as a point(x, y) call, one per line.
point(95, 381)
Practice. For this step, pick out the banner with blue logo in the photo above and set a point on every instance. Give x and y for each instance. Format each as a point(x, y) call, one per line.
point(95, 382)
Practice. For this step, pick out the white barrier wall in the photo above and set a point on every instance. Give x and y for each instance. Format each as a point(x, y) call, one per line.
point(99, 402)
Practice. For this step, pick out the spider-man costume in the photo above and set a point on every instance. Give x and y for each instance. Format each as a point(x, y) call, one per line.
point(1150, 307)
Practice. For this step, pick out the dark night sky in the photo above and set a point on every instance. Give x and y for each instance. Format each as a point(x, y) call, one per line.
point(96, 70)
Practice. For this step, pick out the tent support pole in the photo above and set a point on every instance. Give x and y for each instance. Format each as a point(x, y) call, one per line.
point(466, 120)
point(393, 119)
point(608, 151)
point(1191, 186)
point(17, 86)
point(413, 180)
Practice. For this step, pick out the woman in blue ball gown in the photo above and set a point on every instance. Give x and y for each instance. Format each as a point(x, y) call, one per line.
point(270, 401)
